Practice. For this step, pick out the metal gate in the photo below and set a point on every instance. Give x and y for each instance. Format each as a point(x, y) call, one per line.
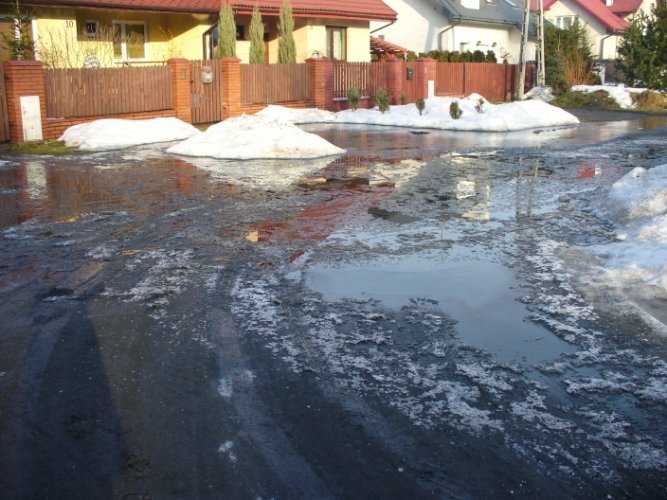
point(205, 91)
point(4, 122)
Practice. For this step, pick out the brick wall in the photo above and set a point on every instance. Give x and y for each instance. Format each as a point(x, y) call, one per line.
point(23, 78)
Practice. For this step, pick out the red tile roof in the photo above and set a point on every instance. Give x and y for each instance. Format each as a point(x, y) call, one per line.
point(625, 7)
point(595, 8)
point(378, 45)
point(342, 9)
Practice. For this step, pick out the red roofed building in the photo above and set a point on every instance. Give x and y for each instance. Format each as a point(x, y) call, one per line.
point(603, 26)
point(628, 8)
point(148, 31)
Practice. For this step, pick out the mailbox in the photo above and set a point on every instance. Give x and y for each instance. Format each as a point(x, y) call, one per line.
point(207, 74)
point(409, 73)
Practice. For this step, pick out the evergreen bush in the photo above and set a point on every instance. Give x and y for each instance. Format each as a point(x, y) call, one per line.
point(286, 45)
point(382, 100)
point(420, 105)
point(226, 31)
point(353, 97)
point(454, 110)
point(256, 37)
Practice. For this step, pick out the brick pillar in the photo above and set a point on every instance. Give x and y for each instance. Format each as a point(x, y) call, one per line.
point(395, 77)
point(23, 79)
point(425, 71)
point(231, 87)
point(181, 88)
point(320, 74)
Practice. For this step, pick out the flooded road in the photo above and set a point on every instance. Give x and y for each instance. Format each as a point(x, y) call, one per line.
point(421, 318)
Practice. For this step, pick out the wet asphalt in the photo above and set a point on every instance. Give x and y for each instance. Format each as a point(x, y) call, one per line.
point(157, 335)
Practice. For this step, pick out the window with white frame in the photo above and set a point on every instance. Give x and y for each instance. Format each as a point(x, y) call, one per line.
point(129, 41)
point(565, 22)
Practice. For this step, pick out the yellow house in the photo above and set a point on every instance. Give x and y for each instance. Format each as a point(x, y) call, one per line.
point(108, 33)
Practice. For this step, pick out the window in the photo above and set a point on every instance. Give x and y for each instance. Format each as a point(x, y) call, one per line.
point(337, 43)
point(129, 41)
point(91, 29)
point(565, 22)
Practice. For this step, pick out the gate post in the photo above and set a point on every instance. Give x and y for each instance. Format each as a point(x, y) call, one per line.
point(320, 77)
point(181, 91)
point(231, 87)
point(426, 68)
point(25, 79)
point(395, 77)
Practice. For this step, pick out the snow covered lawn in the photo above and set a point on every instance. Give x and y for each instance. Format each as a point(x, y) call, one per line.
point(477, 115)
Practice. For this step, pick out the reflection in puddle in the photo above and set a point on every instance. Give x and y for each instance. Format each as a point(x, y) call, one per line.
point(481, 296)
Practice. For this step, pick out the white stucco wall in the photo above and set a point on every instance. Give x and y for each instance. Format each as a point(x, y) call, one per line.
point(602, 45)
point(422, 27)
point(417, 27)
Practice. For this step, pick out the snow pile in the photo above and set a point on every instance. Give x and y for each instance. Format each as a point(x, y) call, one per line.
point(620, 93)
point(638, 202)
point(115, 133)
point(541, 93)
point(255, 136)
point(299, 116)
point(486, 118)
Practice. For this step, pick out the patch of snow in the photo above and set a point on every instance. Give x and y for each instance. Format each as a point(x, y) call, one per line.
point(227, 448)
point(620, 93)
point(493, 118)
point(638, 204)
point(541, 93)
point(114, 133)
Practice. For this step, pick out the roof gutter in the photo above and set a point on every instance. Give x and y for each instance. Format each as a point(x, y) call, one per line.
point(383, 27)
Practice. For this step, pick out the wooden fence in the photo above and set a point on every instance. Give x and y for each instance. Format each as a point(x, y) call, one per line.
point(366, 77)
point(273, 83)
point(496, 82)
point(4, 123)
point(106, 91)
point(206, 98)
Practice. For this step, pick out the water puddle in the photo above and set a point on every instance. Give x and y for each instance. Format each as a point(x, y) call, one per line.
point(480, 296)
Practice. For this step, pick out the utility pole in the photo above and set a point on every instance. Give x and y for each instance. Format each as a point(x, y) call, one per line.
point(540, 43)
point(522, 52)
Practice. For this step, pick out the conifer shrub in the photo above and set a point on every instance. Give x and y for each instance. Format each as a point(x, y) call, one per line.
point(420, 105)
point(353, 97)
point(479, 107)
point(454, 110)
point(382, 100)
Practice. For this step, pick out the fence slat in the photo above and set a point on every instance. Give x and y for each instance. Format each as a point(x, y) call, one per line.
point(107, 91)
point(273, 83)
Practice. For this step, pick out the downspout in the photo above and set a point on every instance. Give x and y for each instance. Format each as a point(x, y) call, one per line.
point(601, 56)
point(441, 33)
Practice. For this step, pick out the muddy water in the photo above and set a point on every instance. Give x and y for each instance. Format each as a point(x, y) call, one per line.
point(416, 319)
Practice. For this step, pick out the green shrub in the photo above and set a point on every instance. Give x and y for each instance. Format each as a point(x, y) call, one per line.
point(479, 107)
point(353, 97)
point(420, 105)
point(404, 98)
point(382, 100)
point(454, 110)
point(478, 56)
